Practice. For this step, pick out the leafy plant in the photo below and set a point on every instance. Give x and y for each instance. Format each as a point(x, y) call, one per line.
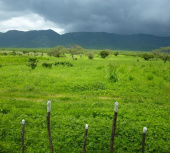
point(112, 70)
point(104, 53)
point(131, 78)
point(47, 65)
point(90, 55)
point(32, 62)
point(57, 51)
point(116, 53)
point(147, 56)
point(63, 63)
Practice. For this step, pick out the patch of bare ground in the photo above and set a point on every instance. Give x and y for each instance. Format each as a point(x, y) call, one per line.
point(109, 97)
point(29, 99)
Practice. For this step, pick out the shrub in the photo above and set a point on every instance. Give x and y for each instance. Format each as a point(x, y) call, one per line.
point(116, 53)
point(24, 52)
point(112, 70)
point(147, 56)
point(131, 78)
point(150, 77)
point(165, 57)
point(47, 65)
point(90, 55)
point(104, 53)
point(4, 53)
point(32, 62)
point(13, 52)
point(63, 63)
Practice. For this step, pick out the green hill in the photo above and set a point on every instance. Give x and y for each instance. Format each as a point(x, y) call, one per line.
point(93, 40)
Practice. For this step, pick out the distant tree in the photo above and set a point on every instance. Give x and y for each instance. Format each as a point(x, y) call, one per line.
point(24, 51)
point(13, 52)
point(32, 62)
point(57, 51)
point(147, 56)
point(4, 53)
point(76, 49)
point(116, 53)
point(163, 53)
point(104, 53)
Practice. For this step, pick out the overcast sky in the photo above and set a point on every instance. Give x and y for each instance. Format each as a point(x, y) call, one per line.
point(113, 16)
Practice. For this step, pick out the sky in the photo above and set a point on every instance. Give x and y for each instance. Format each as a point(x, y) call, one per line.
point(63, 16)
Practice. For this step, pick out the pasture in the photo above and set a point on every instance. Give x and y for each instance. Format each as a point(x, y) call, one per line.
point(85, 94)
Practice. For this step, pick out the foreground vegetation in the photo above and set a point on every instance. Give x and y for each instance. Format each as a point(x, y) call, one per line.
point(84, 93)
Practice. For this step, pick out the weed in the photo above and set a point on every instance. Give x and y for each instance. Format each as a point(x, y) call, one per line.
point(112, 71)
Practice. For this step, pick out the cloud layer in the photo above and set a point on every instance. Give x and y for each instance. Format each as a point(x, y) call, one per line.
point(114, 16)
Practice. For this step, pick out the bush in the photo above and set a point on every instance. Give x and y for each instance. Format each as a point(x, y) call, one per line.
point(112, 70)
point(57, 51)
point(147, 56)
point(165, 57)
point(63, 63)
point(47, 65)
point(104, 53)
point(4, 53)
point(90, 55)
point(131, 78)
point(13, 53)
point(32, 62)
point(116, 53)
point(150, 77)
point(24, 52)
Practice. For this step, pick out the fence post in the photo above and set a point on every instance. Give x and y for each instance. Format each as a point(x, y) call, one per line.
point(48, 126)
point(22, 135)
point(143, 139)
point(113, 127)
point(85, 138)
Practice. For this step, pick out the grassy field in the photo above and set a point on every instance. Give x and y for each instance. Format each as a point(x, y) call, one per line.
point(85, 94)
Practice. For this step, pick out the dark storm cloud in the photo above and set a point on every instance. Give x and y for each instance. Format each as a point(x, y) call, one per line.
point(115, 16)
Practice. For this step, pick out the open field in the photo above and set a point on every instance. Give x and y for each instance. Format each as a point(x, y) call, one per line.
point(85, 94)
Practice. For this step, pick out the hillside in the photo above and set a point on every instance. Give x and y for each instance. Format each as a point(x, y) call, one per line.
point(93, 40)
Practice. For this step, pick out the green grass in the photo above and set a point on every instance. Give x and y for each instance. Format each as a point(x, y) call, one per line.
point(85, 94)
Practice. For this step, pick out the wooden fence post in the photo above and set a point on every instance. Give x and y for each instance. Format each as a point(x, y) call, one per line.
point(143, 139)
point(48, 126)
point(85, 138)
point(113, 127)
point(22, 135)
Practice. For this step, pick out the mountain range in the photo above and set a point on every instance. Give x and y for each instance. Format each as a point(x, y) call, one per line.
point(88, 40)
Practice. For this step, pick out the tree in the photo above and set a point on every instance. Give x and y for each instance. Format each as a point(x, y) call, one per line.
point(32, 62)
point(24, 51)
point(76, 49)
point(163, 53)
point(13, 52)
point(116, 53)
point(104, 53)
point(57, 51)
point(147, 56)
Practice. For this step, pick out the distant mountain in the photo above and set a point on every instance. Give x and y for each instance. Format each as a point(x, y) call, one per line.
point(92, 40)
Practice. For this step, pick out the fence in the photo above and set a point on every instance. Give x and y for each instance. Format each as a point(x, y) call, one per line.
point(52, 144)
